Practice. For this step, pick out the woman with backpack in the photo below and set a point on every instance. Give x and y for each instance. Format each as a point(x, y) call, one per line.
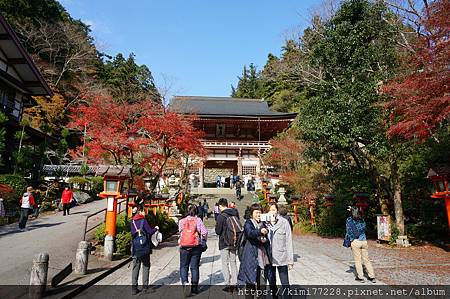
point(193, 235)
point(141, 248)
point(256, 263)
point(280, 237)
point(355, 237)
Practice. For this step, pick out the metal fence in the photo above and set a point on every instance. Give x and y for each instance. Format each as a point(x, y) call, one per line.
point(120, 204)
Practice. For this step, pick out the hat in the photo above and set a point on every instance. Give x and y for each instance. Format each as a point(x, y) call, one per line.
point(156, 238)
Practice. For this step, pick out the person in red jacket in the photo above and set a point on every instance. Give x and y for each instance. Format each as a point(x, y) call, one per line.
point(26, 204)
point(66, 200)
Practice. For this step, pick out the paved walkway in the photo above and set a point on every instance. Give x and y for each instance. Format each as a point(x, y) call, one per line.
point(54, 234)
point(312, 266)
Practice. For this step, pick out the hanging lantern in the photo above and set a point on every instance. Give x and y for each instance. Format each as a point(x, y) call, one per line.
point(440, 175)
point(329, 200)
point(361, 199)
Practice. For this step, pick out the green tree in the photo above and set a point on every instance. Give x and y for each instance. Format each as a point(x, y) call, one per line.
point(128, 81)
point(342, 118)
point(249, 85)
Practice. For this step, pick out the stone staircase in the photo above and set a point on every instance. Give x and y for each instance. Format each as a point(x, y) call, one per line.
point(241, 205)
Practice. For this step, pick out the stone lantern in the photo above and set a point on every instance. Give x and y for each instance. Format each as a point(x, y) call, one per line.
point(282, 200)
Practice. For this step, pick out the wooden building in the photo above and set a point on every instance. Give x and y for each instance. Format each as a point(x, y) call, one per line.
point(237, 133)
point(20, 80)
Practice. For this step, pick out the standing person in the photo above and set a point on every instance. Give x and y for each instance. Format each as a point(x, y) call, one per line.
point(141, 248)
point(280, 237)
point(356, 233)
point(37, 201)
point(200, 212)
point(2, 207)
point(66, 200)
point(222, 181)
point(284, 213)
point(228, 228)
point(218, 180)
point(238, 189)
point(216, 211)
point(193, 236)
point(256, 268)
point(231, 181)
point(26, 204)
point(205, 207)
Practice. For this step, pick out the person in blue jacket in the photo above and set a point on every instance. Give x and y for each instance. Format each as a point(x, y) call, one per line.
point(139, 222)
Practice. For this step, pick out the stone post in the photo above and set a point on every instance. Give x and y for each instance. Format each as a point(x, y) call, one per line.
point(38, 277)
point(81, 258)
point(108, 249)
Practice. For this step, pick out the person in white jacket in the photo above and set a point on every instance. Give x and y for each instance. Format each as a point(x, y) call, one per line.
point(280, 237)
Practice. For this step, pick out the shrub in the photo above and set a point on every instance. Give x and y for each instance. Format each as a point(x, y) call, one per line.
point(100, 233)
point(123, 243)
point(303, 227)
point(394, 233)
point(96, 185)
point(16, 181)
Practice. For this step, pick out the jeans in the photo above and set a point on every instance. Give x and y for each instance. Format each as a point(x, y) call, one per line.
point(23, 217)
point(66, 207)
point(284, 279)
point(228, 257)
point(137, 261)
point(190, 258)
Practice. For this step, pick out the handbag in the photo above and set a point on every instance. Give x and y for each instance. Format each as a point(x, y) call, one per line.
point(203, 244)
point(347, 243)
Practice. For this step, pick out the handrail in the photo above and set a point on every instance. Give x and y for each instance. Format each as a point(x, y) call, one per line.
point(119, 203)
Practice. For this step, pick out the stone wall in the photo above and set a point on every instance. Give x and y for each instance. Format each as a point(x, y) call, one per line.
point(210, 174)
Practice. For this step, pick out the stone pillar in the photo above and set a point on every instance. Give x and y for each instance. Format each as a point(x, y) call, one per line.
point(81, 258)
point(109, 247)
point(38, 277)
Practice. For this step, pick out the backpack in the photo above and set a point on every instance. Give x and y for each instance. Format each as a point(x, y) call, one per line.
point(233, 232)
point(240, 251)
point(189, 235)
point(141, 243)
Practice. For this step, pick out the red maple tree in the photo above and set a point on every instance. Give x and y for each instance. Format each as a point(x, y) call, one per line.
point(421, 94)
point(141, 134)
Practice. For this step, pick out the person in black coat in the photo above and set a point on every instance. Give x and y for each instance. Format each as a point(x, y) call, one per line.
point(256, 264)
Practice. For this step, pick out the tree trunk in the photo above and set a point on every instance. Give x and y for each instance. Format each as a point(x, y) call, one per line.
point(399, 218)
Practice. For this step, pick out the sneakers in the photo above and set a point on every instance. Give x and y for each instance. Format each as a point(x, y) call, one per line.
point(186, 290)
point(194, 289)
point(135, 291)
point(229, 289)
point(372, 280)
point(359, 279)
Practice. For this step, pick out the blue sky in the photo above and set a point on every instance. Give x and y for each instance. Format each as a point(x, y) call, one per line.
point(196, 47)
